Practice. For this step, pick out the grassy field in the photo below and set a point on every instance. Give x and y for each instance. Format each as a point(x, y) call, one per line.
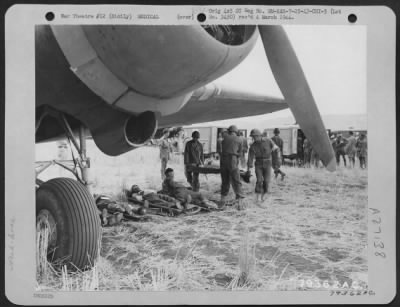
point(312, 229)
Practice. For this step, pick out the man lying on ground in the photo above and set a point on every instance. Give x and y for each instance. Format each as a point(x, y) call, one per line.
point(183, 194)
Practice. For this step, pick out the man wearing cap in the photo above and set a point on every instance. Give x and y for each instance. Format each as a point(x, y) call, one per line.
point(193, 157)
point(165, 149)
point(277, 160)
point(261, 150)
point(230, 174)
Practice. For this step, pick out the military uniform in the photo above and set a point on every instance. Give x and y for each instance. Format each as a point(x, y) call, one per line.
point(231, 149)
point(165, 149)
point(181, 193)
point(351, 149)
point(277, 156)
point(261, 152)
point(193, 157)
point(362, 146)
point(245, 148)
point(339, 145)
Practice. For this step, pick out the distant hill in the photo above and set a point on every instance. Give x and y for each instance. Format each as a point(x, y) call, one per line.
point(331, 121)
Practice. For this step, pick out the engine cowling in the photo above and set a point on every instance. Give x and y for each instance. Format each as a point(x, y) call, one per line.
point(152, 68)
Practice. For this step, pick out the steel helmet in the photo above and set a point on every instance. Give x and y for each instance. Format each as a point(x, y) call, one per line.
point(233, 128)
point(255, 132)
point(276, 131)
point(166, 130)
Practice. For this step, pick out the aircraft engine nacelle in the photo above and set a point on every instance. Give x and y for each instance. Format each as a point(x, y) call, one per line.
point(152, 68)
point(122, 136)
point(165, 62)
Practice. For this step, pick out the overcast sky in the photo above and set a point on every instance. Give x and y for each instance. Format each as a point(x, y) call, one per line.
point(333, 59)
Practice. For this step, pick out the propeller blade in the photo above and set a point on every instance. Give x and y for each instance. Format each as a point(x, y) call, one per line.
point(293, 84)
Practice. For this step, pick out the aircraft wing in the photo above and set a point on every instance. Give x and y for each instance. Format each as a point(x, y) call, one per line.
point(213, 102)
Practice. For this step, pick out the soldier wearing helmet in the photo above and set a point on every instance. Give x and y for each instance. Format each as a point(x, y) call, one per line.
point(231, 150)
point(193, 157)
point(260, 151)
point(277, 156)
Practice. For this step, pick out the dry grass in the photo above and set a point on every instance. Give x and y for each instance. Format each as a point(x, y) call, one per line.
point(312, 227)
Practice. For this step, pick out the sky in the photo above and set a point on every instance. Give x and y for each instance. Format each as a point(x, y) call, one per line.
point(333, 59)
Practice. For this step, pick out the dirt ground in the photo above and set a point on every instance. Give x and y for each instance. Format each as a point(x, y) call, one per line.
point(310, 233)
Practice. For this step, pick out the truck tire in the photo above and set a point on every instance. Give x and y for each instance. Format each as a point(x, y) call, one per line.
point(66, 207)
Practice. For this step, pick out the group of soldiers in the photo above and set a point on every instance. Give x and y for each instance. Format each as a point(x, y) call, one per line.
point(353, 146)
point(232, 147)
point(264, 154)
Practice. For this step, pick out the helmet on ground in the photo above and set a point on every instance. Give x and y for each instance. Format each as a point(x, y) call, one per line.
point(233, 128)
point(255, 132)
point(276, 131)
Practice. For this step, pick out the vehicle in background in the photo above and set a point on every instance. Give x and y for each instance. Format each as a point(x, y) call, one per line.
point(293, 139)
point(208, 137)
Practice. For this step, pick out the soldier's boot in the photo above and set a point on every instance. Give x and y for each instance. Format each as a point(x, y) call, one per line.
point(283, 175)
point(258, 198)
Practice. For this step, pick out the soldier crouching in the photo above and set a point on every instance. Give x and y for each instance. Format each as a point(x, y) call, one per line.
point(260, 151)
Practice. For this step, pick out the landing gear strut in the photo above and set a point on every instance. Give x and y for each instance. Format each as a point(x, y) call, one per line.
point(66, 214)
point(78, 166)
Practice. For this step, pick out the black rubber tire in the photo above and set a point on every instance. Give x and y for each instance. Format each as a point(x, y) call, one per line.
point(77, 221)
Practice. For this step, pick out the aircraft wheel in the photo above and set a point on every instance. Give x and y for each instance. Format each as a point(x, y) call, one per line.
point(68, 223)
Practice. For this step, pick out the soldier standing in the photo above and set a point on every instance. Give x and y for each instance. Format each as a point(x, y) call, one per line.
point(230, 174)
point(277, 160)
point(261, 150)
point(193, 157)
point(165, 149)
point(351, 149)
point(219, 141)
point(339, 146)
point(307, 148)
point(362, 150)
point(245, 148)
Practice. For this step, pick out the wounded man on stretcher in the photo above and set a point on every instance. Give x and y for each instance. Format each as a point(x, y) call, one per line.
point(183, 194)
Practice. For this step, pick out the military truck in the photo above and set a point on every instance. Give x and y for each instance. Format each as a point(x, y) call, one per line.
point(208, 137)
point(293, 139)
